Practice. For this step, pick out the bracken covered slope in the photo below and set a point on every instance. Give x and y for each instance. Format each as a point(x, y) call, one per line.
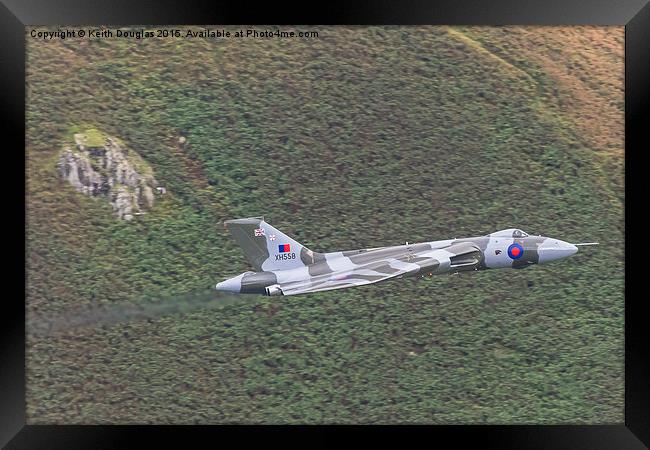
point(361, 137)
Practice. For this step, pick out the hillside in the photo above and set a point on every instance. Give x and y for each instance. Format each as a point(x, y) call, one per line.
point(361, 137)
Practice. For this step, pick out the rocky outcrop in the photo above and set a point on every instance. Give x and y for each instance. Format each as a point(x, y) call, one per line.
point(99, 166)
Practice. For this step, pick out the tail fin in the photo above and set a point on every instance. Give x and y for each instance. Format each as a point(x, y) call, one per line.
point(266, 247)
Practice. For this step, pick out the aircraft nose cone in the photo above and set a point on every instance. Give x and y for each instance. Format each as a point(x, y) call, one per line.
point(230, 285)
point(553, 249)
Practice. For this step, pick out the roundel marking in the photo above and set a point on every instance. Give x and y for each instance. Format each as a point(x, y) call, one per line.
point(515, 251)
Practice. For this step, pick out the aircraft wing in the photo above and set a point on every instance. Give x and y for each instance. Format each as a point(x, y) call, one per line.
point(384, 268)
point(358, 276)
point(388, 263)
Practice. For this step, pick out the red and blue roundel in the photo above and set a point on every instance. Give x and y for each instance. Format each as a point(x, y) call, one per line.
point(515, 251)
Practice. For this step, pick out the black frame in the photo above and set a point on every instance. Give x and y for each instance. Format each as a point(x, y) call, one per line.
point(634, 14)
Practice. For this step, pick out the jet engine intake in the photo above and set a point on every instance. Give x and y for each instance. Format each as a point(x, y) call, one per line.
point(467, 257)
point(472, 258)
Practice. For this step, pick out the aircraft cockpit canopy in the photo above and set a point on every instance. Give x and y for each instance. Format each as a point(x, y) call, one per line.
point(519, 234)
point(510, 233)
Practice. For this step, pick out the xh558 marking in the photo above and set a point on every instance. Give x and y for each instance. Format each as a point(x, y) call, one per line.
point(283, 266)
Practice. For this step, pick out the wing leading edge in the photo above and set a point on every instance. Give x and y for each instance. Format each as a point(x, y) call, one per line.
point(402, 262)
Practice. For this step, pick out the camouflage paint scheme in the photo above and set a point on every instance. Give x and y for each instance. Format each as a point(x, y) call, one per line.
point(285, 267)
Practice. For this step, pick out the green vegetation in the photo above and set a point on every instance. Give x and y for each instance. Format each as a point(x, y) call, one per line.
point(360, 138)
point(94, 138)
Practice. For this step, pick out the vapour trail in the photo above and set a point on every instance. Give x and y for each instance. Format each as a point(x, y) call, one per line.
point(45, 325)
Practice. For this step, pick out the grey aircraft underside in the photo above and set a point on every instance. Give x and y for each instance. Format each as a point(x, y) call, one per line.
point(285, 267)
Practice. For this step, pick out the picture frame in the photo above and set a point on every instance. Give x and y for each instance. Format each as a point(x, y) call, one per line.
point(15, 15)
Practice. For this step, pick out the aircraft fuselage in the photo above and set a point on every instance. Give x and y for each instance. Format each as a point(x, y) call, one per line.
point(309, 271)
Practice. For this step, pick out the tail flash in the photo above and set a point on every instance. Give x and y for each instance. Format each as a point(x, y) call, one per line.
point(266, 247)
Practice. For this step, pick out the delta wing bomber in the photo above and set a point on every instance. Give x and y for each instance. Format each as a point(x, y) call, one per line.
point(283, 266)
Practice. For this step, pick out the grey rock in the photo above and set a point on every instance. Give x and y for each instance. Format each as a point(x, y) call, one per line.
point(110, 172)
point(148, 196)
